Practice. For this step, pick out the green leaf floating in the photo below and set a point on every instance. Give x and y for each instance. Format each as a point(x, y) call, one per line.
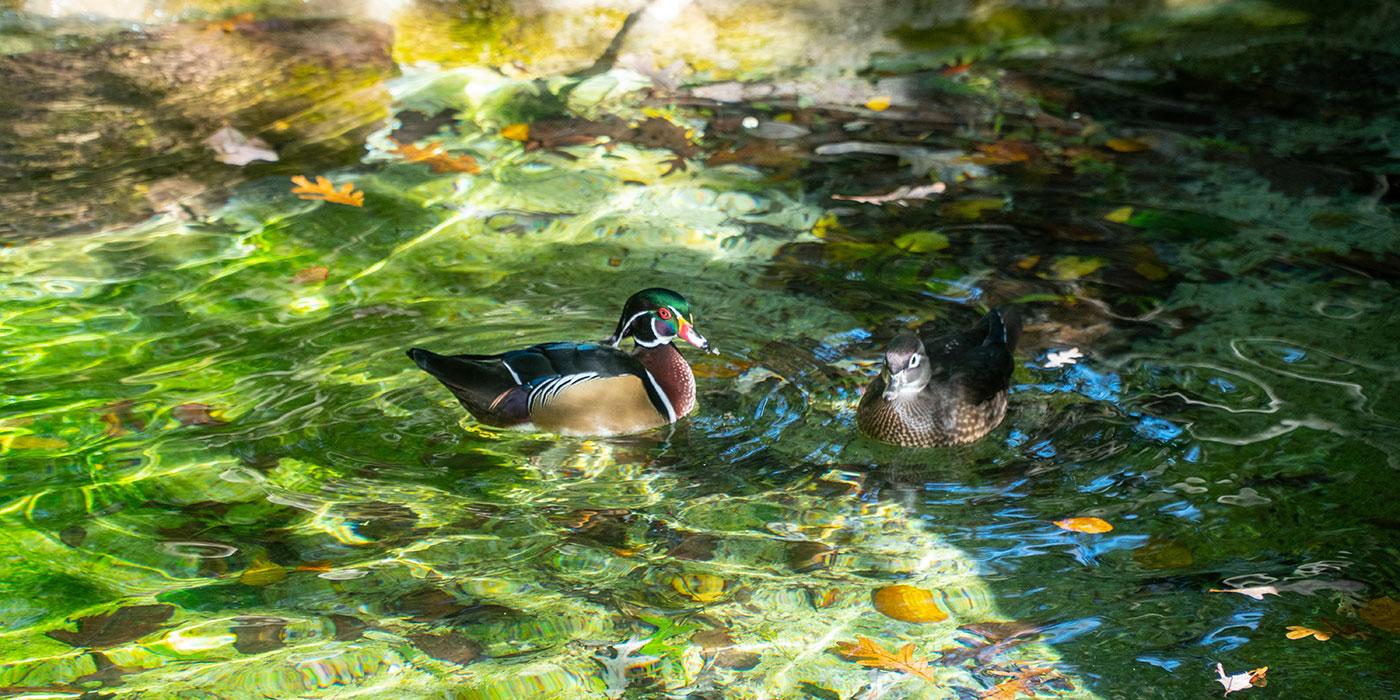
point(921, 241)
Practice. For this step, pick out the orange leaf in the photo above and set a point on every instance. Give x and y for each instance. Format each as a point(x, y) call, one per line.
point(437, 157)
point(1023, 683)
point(516, 132)
point(867, 652)
point(1297, 632)
point(312, 275)
point(1004, 152)
point(325, 191)
point(1093, 526)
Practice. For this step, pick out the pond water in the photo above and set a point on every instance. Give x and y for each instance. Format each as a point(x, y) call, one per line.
point(222, 477)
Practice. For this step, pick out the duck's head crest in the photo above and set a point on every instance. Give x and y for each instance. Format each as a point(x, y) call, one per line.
point(654, 317)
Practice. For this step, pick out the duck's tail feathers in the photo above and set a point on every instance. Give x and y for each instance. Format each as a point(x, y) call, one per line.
point(1003, 328)
point(483, 385)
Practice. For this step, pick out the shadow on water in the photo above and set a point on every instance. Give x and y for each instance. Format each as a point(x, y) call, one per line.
point(216, 453)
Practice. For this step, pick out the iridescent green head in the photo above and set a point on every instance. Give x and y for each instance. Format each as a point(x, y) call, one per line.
point(654, 317)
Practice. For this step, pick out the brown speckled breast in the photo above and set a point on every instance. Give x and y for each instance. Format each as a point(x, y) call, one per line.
point(673, 373)
point(926, 420)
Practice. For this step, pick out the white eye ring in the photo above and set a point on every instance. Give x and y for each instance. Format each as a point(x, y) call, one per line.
point(913, 362)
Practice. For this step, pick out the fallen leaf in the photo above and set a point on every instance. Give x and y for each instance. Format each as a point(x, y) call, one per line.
point(1242, 681)
point(1152, 271)
point(1093, 526)
point(1028, 262)
point(197, 414)
point(1383, 612)
point(901, 195)
point(435, 155)
point(234, 147)
point(311, 275)
point(516, 132)
point(867, 652)
point(227, 26)
point(255, 634)
point(262, 573)
point(878, 104)
point(450, 647)
point(1121, 215)
point(1298, 632)
point(325, 191)
point(1001, 152)
point(31, 442)
point(958, 69)
point(1123, 145)
point(969, 209)
point(117, 627)
point(1255, 592)
point(1023, 683)
point(1073, 267)
point(921, 241)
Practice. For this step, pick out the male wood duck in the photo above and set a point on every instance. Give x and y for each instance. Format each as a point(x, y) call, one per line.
point(584, 388)
point(936, 391)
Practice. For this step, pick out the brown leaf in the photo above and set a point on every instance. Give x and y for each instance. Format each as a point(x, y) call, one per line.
point(257, 635)
point(1382, 612)
point(117, 627)
point(197, 414)
point(450, 647)
point(867, 652)
point(312, 275)
point(325, 191)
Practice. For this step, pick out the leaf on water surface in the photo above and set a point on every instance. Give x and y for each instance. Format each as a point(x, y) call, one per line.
point(312, 275)
point(1028, 262)
point(1022, 683)
point(1124, 145)
point(118, 415)
point(197, 414)
point(921, 241)
point(262, 573)
point(325, 191)
point(516, 132)
point(879, 103)
point(1002, 152)
point(1383, 612)
point(435, 155)
point(1310, 586)
point(31, 442)
point(901, 195)
point(867, 652)
point(1299, 632)
point(1092, 526)
point(1073, 267)
point(117, 627)
point(1242, 681)
point(450, 647)
point(1121, 215)
point(970, 209)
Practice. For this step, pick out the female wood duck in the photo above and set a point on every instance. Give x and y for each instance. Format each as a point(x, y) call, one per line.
point(583, 388)
point(936, 391)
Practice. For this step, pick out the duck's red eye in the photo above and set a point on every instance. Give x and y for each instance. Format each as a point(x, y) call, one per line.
point(664, 313)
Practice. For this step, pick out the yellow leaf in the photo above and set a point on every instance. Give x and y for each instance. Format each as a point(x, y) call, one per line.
point(1126, 145)
point(516, 132)
point(1383, 612)
point(1120, 215)
point(827, 224)
point(921, 241)
point(878, 104)
point(262, 573)
point(1298, 632)
point(1028, 262)
point(1092, 526)
point(326, 192)
point(1072, 267)
point(31, 442)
